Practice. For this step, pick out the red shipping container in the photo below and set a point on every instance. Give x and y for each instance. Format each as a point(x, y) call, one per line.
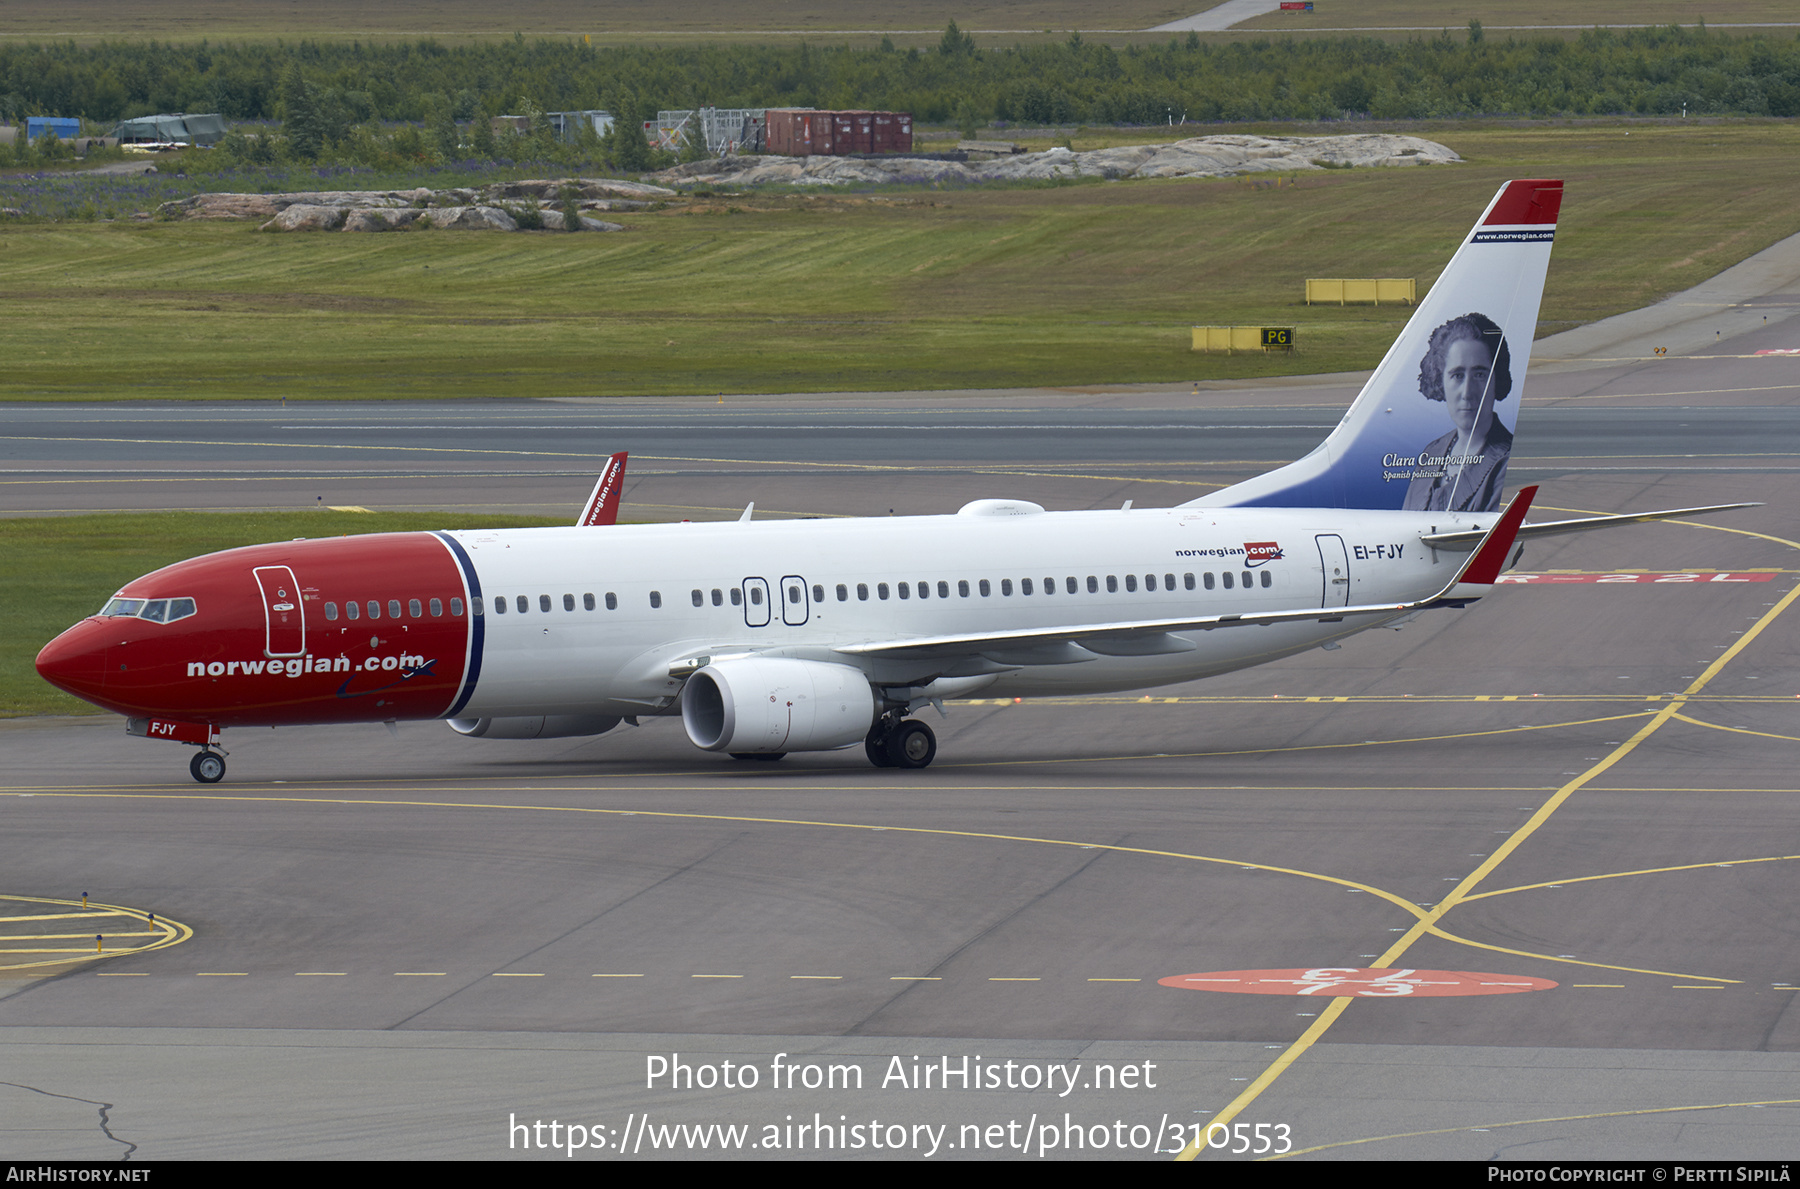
point(892, 132)
point(852, 132)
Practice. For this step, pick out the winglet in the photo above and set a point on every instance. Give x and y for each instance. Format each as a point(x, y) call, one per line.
point(1485, 564)
point(603, 504)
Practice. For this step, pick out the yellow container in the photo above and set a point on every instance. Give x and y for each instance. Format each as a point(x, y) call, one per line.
point(1371, 289)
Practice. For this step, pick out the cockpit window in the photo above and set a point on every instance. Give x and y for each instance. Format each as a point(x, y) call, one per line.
point(154, 610)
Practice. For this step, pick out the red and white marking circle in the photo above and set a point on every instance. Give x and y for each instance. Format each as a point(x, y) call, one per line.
point(1332, 981)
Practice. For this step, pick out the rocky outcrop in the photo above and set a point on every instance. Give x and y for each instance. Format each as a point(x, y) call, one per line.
point(484, 209)
point(470, 218)
point(376, 219)
point(1201, 156)
point(555, 220)
point(304, 216)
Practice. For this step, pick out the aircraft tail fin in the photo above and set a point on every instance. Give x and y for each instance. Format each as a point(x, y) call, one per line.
point(603, 504)
point(1432, 430)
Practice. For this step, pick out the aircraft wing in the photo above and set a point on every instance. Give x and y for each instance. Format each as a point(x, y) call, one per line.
point(1459, 541)
point(603, 504)
point(1151, 636)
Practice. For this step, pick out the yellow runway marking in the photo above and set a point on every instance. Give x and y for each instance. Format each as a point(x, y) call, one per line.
point(164, 931)
point(1655, 1110)
point(1623, 874)
point(1738, 730)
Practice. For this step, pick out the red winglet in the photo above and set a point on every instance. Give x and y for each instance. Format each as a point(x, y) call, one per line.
point(1527, 202)
point(603, 504)
point(1487, 563)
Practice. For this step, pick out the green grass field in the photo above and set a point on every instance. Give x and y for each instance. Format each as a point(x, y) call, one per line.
point(997, 287)
point(650, 20)
point(59, 569)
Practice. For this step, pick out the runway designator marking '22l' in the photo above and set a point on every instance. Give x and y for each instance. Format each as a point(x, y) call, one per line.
point(814, 635)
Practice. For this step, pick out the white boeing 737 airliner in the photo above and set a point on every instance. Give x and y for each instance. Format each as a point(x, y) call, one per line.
point(768, 638)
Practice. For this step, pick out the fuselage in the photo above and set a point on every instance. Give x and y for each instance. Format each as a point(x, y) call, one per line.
point(582, 621)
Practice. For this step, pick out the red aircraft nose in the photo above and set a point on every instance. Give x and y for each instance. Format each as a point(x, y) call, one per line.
point(75, 661)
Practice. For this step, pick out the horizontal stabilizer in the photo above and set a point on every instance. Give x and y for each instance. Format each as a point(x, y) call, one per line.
point(1458, 542)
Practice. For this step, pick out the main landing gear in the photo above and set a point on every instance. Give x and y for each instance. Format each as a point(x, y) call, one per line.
point(208, 767)
point(907, 744)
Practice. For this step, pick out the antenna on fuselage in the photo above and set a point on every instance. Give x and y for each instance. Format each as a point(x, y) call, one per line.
point(748, 508)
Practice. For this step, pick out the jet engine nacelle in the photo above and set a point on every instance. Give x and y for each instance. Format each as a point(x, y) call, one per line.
point(772, 704)
point(550, 726)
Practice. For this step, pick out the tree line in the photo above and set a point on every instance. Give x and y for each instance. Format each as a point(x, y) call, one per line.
point(1659, 71)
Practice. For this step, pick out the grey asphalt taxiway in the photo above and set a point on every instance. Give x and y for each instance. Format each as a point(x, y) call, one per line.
point(418, 945)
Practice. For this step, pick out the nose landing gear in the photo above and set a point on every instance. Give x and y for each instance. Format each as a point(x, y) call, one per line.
point(907, 744)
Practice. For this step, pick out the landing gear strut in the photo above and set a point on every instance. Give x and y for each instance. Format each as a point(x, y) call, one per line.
point(907, 744)
point(208, 767)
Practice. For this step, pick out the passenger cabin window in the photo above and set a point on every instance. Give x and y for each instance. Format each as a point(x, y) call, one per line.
point(881, 590)
point(1006, 586)
point(905, 590)
point(1131, 582)
point(1093, 584)
point(1227, 579)
point(393, 608)
point(718, 597)
point(737, 597)
point(1112, 584)
point(962, 587)
point(456, 607)
point(437, 608)
point(499, 604)
point(698, 597)
point(543, 602)
point(352, 611)
point(1072, 586)
point(587, 601)
point(655, 598)
point(985, 589)
point(612, 601)
point(1187, 581)
point(843, 593)
point(818, 593)
point(1209, 580)
point(414, 608)
point(374, 609)
point(476, 604)
point(331, 611)
point(1268, 579)
point(523, 604)
point(568, 602)
point(862, 592)
point(1024, 586)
